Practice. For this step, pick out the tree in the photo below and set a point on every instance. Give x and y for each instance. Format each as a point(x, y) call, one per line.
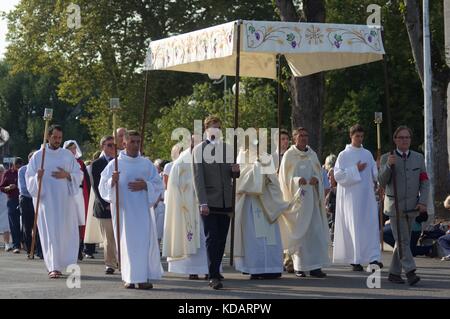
point(256, 109)
point(307, 93)
point(440, 79)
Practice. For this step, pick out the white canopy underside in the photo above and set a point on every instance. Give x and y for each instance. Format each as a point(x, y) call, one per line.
point(308, 47)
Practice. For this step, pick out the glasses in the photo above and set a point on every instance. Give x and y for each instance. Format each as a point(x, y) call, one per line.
point(109, 145)
point(403, 137)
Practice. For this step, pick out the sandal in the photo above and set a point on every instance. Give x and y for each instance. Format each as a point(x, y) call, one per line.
point(54, 274)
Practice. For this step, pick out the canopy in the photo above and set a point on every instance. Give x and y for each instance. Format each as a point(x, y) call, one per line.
point(308, 48)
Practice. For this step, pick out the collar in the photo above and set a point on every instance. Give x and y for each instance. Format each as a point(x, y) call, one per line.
point(400, 153)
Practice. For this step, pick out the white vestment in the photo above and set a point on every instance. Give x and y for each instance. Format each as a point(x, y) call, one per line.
point(184, 237)
point(259, 203)
point(140, 259)
point(57, 219)
point(304, 228)
point(356, 232)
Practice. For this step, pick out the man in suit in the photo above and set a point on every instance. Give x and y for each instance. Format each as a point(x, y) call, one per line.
point(213, 172)
point(412, 195)
point(102, 209)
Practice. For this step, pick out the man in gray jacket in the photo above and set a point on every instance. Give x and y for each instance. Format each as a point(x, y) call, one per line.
point(213, 172)
point(412, 196)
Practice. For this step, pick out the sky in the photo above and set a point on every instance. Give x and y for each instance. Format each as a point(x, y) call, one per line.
point(5, 5)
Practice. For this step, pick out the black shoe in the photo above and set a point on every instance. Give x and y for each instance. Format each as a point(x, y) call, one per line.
point(88, 256)
point(396, 279)
point(300, 274)
point(193, 277)
point(412, 278)
point(357, 267)
point(256, 277)
point(215, 284)
point(318, 273)
point(109, 271)
point(221, 277)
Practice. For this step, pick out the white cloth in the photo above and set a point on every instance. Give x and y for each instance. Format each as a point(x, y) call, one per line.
point(356, 234)
point(263, 252)
point(305, 229)
point(92, 234)
point(184, 237)
point(78, 153)
point(140, 258)
point(57, 219)
point(4, 221)
point(159, 212)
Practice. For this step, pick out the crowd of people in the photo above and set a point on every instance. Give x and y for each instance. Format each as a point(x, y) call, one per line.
point(289, 209)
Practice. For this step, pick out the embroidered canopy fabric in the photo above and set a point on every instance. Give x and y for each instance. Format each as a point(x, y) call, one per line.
point(308, 47)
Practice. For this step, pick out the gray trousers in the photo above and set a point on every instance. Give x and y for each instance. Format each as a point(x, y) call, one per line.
point(407, 261)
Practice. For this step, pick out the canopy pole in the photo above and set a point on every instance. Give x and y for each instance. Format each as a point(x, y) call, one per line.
point(280, 105)
point(144, 112)
point(236, 125)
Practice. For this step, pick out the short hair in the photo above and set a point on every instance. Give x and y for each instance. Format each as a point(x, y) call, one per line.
point(105, 138)
point(2, 168)
point(210, 120)
point(54, 127)
point(356, 128)
point(285, 132)
point(18, 161)
point(297, 131)
point(402, 128)
point(130, 133)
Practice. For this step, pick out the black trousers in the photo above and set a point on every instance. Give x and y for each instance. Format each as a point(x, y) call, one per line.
point(216, 230)
point(27, 212)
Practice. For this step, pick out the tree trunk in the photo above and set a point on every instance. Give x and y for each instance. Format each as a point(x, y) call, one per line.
point(307, 93)
point(440, 80)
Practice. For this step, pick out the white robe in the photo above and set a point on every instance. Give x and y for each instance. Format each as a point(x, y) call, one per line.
point(92, 234)
point(305, 228)
point(258, 247)
point(57, 219)
point(140, 258)
point(356, 230)
point(184, 237)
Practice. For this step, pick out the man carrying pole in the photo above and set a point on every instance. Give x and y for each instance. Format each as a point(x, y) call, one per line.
point(406, 194)
point(53, 177)
point(139, 187)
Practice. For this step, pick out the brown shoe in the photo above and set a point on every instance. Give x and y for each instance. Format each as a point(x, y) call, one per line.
point(144, 286)
point(397, 279)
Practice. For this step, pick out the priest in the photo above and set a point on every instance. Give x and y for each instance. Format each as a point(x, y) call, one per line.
point(139, 188)
point(304, 227)
point(258, 249)
point(356, 231)
point(184, 236)
point(57, 219)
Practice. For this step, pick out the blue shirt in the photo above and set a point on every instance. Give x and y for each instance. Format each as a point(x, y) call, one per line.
point(22, 183)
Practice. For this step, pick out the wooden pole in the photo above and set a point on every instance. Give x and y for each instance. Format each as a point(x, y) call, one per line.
point(280, 105)
point(116, 170)
point(47, 117)
point(236, 124)
point(144, 111)
point(397, 211)
point(380, 190)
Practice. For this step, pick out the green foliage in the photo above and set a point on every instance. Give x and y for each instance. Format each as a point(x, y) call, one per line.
point(257, 108)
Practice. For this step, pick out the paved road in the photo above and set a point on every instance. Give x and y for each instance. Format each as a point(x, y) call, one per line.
point(22, 278)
